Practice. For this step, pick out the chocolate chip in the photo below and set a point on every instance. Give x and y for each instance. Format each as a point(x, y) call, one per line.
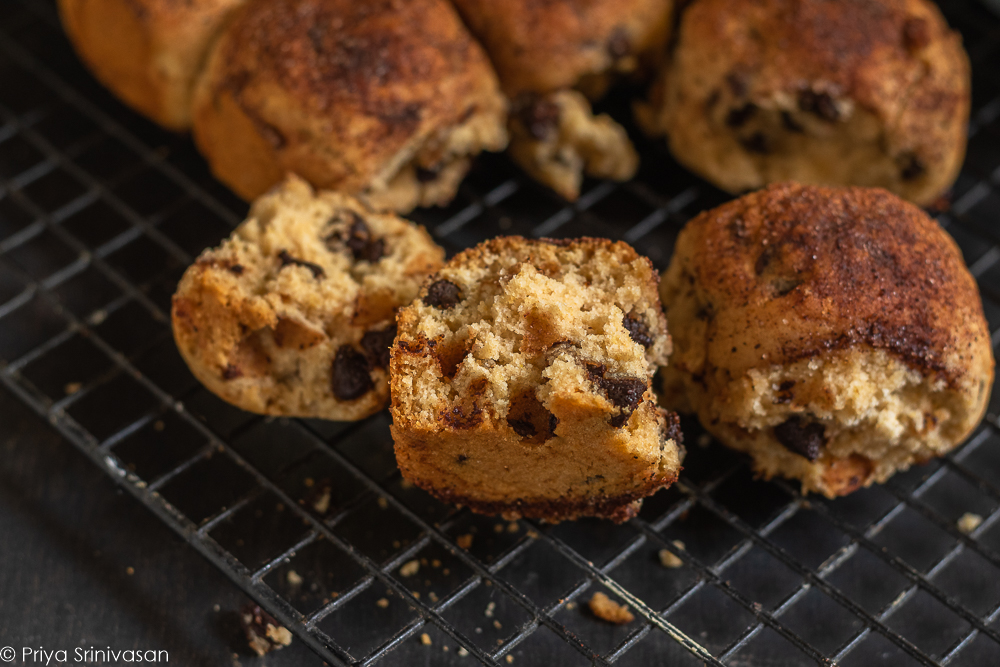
point(739, 117)
point(236, 269)
point(349, 378)
point(789, 123)
point(763, 259)
point(820, 104)
point(911, 167)
point(624, 392)
point(916, 34)
point(287, 260)
point(540, 118)
point(738, 83)
point(425, 175)
point(231, 372)
point(712, 99)
point(443, 294)
point(756, 143)
point(619, 44)
point(638, 331)
point(461, 458)
point(376, 345)
point(362, 244)
point(522, 427)
point(801, 437)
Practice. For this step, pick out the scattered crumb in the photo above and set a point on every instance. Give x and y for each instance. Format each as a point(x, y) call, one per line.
point(216, 608)
point(489, 609)
point(435, 563)
point(496, 624)
point(498, 528)
point(608, 610)
point(98, 316)
point(446, 572)
point(969, 522)
point(704, 440)
point(405, 484)
point(72, 387)
point(410, 568)
point(396, 544)
point(668, 559)
point(464, 541)
point(433, 596)
point(382, 503)
point(158, 425)
point(425, 639)
point(309, 481)
point(263, 633)
point(131, 570)
point(532, 534)
point(293, 578)
point(462, 651)
point(415, 594)
point(322, 502)
point(479, 631)
point(678, 545)
point(382, 603)
point(509, 659)
point(571, 605)
point(280, 507)
point(444, 648)
point(513, 527)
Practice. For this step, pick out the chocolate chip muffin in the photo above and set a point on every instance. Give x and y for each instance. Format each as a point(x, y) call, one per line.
point(384, 99)
point(521, 381)
point(834, 334)
point(147, 52)
point(294, 313)
point(852, 92)
point(541, 51)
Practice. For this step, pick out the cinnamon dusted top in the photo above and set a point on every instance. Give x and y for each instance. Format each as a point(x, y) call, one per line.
point(791, 271)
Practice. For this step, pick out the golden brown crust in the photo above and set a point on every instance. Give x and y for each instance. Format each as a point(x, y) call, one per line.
point(539, 47)
point(520, 381)
point(834, 334)
point(344, 93)
point(148, 52)
point(881, 83)
point(836, 267)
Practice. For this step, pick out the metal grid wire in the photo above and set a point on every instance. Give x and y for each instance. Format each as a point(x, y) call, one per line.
point(99, 214)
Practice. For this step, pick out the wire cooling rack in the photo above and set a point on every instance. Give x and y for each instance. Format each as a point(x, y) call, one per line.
point(99, 214)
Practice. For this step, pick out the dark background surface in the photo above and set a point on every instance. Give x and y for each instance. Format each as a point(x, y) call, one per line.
point(68, 536)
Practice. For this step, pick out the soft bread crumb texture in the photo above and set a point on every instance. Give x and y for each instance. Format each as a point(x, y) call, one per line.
point(294, 313)
point(521, 381)
point(834, 334)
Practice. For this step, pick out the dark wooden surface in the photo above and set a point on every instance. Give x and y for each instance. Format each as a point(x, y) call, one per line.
point(68, 537)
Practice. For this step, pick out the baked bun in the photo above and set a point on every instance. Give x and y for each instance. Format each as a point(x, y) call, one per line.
point(294, 313)
point(521, 381)
point(383, 99)
point(148, 52)
point(852, 92)
point(542, 51)
point(834, 334)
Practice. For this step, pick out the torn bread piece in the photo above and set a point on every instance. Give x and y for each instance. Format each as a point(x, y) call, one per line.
point(294, 313)
point(521, 381)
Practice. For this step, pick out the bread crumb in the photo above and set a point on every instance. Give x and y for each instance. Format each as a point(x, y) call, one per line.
point(509, 659)
point(405, 484)
point(72, 387)
point(409, 569)
point(293, 578)
point(382, 503)
point(158, 425)
point(435, 563)
point(496, 624)
point(433, 596)
point(571, 605)
point(464, 541)
point(704, 440)
point(131, 570)
point(608, 610)
point(667, 559)
point(322, 502)
point(489, 609)
point(308, 481)
point(678, 545)
point(425, 639)
point(415, 594)
point(498, 528)
point(382, 603)
point(969, 522)
point(532, 534)
point(462, 651)
point(513, 527)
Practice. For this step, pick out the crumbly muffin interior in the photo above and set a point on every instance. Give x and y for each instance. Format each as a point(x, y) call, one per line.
point(552, 317)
